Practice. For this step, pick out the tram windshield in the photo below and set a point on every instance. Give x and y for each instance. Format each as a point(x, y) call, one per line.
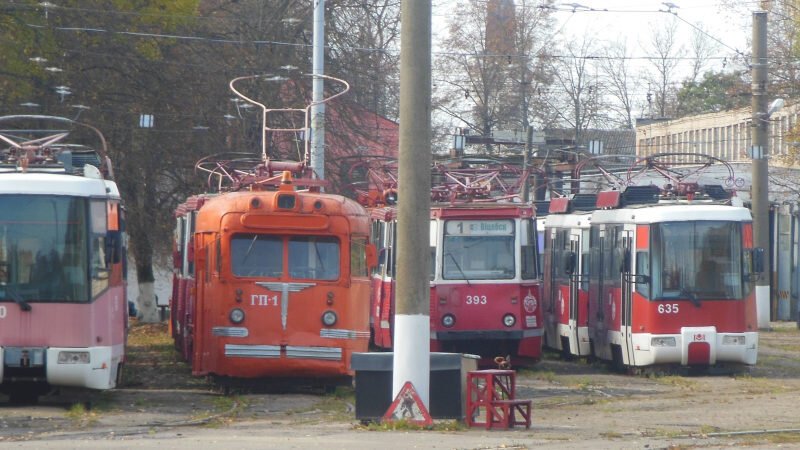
point(697, 260)
point(478, 250)
point(260, 255)
point(43, 249)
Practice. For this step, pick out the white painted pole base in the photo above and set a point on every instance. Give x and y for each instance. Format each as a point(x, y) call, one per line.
point(412, 355)
point(762, 307)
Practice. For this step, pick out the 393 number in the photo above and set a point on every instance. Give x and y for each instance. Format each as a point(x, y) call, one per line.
point(476, 299)
point(2, 312)
point(668, 308)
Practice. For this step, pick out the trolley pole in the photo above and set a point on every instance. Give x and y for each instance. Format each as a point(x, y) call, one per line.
point(317, 87)
point(412, 303)
point(759, 191)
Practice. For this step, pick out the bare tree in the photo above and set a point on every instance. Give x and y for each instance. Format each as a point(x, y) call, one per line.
point(702, 49)
point(365, 36)
point(579, 91)
point(620, 84)
point(492, 69)
point(666, 52)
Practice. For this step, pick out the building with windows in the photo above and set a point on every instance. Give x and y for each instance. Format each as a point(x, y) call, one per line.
point(724, 135)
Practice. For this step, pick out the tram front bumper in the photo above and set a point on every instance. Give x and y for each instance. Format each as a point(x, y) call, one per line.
point(484, 335)
point(695, 346)
point(69, 367)
point(90, 367)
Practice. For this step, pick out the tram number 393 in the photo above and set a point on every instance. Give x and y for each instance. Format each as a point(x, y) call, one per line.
point(476, 300)
point(2, 312)
point(668, 308)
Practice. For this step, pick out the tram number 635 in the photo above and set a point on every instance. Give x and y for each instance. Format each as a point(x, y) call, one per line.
point(668, 308)
point(476, 300)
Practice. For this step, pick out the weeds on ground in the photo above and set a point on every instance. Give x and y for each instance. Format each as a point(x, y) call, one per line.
point(543, 375)
point(79, 416)
point(405, 425)
point(675, 380)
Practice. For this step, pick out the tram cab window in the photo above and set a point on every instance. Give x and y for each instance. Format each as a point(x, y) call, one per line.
point(257, 255)
point(478, 249)
point(700, 259)
point(314, 257)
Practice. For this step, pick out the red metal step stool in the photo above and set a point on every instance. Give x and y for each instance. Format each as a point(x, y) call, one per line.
point(490, 396)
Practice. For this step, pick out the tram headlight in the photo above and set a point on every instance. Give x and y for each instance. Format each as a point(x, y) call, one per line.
point(73, 358)
point(509, 320)
point(448, 320)
point(733, 340)
point(329, 318)
point(237, 315)
point(662, 342)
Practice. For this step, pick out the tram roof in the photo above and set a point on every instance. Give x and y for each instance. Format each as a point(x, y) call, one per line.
point(672, 212)
point(576, 220)
point(332, 204)
point(42, 183)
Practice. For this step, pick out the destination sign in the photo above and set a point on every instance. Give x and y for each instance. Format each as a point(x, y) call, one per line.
point(480, 227)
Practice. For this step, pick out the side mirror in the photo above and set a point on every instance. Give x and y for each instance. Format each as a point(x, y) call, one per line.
point(758, 260)
point(372, 255)
point(570, 260)
point(113, 243)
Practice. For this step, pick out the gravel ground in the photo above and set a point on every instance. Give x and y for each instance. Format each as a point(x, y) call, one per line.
point(576, 404)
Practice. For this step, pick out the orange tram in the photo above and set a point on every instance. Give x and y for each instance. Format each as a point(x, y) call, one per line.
point(272, 283)
point(271, 275)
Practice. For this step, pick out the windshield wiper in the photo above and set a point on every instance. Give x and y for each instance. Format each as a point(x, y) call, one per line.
point(463, 276)
point(692, 298)
point(23, 305)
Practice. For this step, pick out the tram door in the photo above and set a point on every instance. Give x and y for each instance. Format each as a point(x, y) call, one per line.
point(574, 286)
point(626, 306)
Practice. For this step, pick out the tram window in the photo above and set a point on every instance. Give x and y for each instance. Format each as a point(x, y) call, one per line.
point(701, 260)
point(529, 262)
point(256, 255)
point(478, 257)
point(218, 255)
point(433, 263)
point(642, 272)
point(358, 257)
point(585, 261)
point(314, 257)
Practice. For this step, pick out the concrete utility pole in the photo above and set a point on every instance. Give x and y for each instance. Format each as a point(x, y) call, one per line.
point(317, 88)
point(759, 191)
point(412, 304)
point(526, 161)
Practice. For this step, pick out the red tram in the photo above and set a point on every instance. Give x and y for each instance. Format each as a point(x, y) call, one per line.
point(63, 308)
point(271, 280)
point(485, 279)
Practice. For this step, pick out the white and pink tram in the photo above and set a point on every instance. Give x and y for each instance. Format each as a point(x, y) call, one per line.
point(63, 308)
point(671, 281)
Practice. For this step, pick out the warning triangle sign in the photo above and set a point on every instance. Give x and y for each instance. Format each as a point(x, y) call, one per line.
point(408, 406)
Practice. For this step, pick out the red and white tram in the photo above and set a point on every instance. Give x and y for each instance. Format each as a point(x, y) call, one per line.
point(485, 283)
point(566, 283)
point(671, 282)
point(63, 308)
